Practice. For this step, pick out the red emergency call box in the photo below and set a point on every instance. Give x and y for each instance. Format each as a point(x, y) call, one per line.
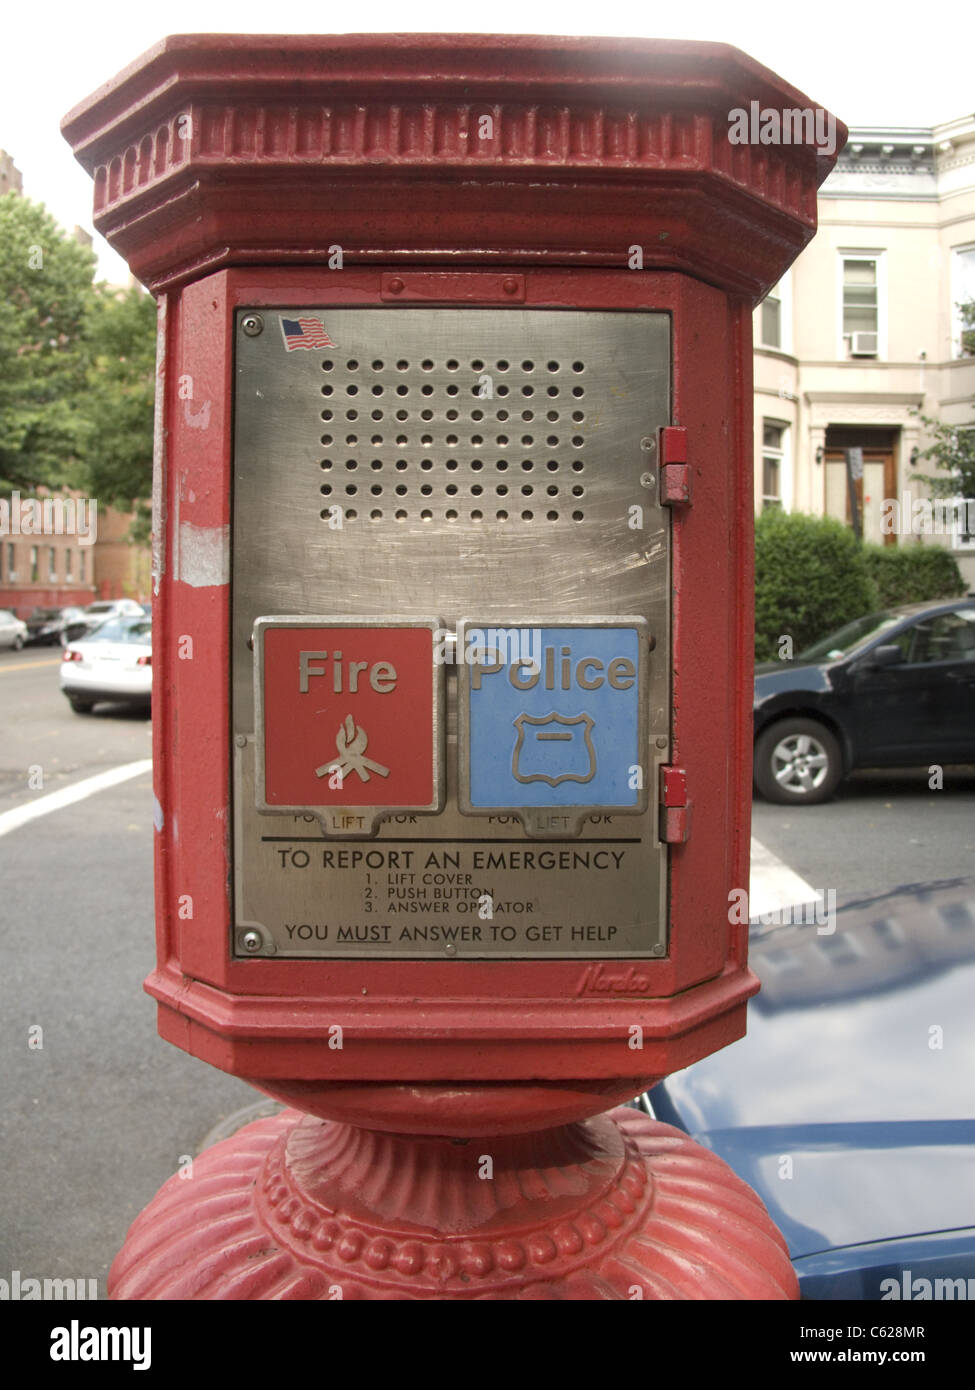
point(453, 554)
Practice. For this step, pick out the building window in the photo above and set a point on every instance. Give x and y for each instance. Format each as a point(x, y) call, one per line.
point(67, 565)
point(862, 304)
point(775, 317)
point(11, 562)
point(772, 318)
point(81, 567)
point(52, 556)
point(33, 564)
point(773, 463)
point(963, 293)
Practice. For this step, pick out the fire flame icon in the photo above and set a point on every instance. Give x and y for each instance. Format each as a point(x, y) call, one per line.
point(351, 742)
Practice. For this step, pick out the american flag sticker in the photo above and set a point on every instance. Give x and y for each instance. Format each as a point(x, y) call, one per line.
point(304, 333)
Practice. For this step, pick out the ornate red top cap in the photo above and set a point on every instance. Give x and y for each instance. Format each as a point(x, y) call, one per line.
point(214, 150)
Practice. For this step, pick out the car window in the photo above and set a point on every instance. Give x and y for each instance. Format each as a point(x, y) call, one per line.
point(944, 637)
point(903, 639)
point(123, 630)
point(845, 639)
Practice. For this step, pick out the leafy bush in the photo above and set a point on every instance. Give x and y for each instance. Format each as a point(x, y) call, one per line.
point(811, 576)
point(912, 573)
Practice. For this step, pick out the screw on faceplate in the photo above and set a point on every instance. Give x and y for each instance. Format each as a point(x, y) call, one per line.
point(661, 741)
point(241, 740)
point(251, 941)
point(252, 324)
point(647, 480)
point(648, 444)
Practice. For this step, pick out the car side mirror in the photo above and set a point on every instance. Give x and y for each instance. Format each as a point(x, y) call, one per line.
point(890, 655)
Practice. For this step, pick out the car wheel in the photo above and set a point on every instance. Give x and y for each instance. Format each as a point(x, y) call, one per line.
point(18, 643)
point(797, 762)
point(79, 705)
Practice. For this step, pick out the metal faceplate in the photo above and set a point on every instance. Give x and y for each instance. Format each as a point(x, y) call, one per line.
point(458, 462)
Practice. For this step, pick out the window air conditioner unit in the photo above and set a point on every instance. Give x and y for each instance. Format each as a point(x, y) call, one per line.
point(863, 344)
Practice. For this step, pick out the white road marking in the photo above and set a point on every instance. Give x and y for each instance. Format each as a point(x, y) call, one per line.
point(774, 885)
point(56, 801)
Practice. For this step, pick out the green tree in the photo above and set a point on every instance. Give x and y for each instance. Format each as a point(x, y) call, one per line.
point(913, 573)
point(45, 293)
point(952, 449)
point(953, 452)
point(811, 577)
point(120, 334)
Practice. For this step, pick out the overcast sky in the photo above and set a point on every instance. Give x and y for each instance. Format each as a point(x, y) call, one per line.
point(892, 64)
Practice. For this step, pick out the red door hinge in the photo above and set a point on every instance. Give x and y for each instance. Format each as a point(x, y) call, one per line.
point(675, 471)
point(675, 808)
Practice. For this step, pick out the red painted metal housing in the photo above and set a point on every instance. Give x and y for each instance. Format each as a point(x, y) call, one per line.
point(289, 148)
point(225, 149)
point(402, 1020)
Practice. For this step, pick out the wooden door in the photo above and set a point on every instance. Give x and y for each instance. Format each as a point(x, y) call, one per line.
point(878, 482)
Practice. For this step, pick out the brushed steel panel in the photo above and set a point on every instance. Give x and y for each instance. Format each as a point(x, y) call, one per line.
point(485, 460)
point(418, 888)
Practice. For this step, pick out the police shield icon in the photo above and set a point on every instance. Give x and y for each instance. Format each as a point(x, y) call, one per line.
point(554, 749)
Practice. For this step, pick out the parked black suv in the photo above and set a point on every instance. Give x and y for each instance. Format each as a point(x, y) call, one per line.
point(894, 689)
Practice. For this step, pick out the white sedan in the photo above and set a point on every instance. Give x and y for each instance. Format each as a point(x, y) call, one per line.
point(113, 663)
point(13, 632)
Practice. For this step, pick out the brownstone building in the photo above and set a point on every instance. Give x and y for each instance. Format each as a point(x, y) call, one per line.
point(123, 568)
point(60, 549)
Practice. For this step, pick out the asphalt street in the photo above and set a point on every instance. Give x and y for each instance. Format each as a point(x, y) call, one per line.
point(97, 1117)
point(95, 1120)
point(881, 831)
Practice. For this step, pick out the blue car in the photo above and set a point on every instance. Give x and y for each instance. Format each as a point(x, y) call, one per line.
point(849, 1105)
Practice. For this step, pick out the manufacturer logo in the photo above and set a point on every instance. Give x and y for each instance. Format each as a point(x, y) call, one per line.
point(596, 979)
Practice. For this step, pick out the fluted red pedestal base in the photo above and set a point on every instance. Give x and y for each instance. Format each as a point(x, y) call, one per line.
point(304, 1208)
